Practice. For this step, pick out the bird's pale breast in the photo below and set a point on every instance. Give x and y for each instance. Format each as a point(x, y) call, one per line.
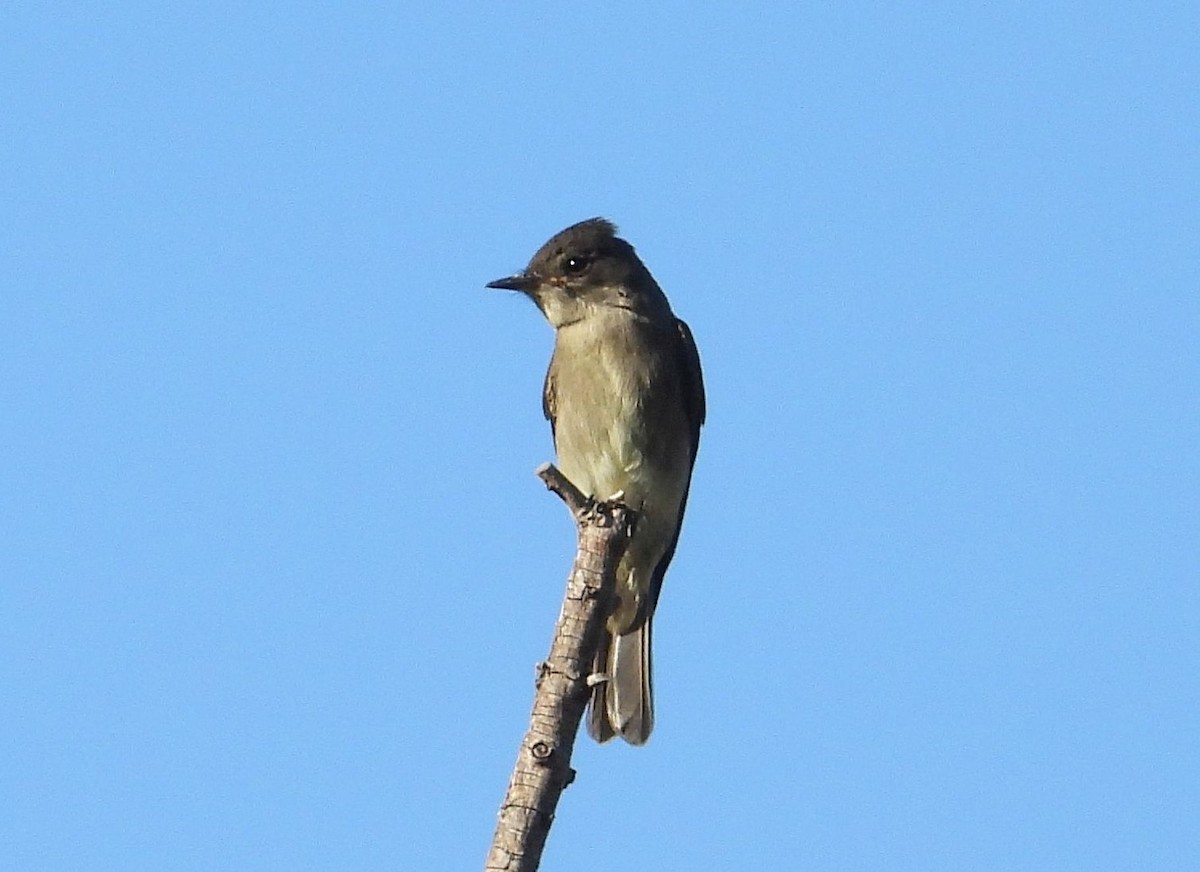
point(620, 424)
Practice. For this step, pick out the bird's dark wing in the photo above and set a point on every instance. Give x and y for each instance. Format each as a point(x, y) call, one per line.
point(691, 385)
point(692, 381)
point(548, 399)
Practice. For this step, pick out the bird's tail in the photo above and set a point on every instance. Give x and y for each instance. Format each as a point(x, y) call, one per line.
point(624, 704)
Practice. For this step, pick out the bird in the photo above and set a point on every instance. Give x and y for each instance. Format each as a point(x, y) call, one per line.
point(624, 396)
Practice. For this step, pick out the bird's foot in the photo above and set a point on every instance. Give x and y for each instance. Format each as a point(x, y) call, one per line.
point(593, 504)
point(588, 511)
point(601, 512)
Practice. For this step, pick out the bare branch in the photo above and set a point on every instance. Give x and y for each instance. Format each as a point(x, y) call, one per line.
point(543, 767)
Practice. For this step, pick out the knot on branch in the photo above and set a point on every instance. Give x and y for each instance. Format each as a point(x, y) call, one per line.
point(545, 754)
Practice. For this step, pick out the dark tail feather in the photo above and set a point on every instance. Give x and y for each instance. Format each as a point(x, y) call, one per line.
point(624, 705)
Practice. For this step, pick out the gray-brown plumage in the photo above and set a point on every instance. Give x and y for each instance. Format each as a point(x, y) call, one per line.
point(625, 400)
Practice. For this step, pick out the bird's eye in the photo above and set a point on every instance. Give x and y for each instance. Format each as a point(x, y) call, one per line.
point(574, 266)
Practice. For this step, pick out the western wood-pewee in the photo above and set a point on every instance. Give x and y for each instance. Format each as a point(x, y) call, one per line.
point(625, 401)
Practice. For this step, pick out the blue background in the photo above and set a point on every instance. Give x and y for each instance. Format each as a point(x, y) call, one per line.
point(274, 568)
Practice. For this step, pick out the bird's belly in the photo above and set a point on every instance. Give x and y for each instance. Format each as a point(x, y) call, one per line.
point(602, 457)
point(607, 448)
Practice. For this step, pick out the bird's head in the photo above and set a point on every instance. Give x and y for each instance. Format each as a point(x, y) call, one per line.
point(583, 269)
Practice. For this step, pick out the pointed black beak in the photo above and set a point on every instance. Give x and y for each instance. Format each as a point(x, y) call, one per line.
point(519, 282)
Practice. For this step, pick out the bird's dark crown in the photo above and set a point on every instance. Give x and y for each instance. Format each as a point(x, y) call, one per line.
point(587, 242)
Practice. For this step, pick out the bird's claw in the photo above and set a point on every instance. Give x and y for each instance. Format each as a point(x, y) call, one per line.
point(589, 510)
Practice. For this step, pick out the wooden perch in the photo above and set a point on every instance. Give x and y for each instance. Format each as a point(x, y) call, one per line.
point(543, 767)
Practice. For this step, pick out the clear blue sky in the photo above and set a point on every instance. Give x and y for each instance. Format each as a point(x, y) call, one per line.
point(274, 568)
